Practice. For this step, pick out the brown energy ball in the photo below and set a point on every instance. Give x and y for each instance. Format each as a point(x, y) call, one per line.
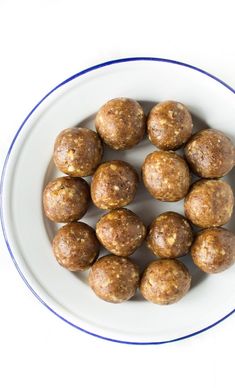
point(66, 199)
point(113, 185)
point(170, 235)
point(169, 125)
point(77, 151)
point(210, 154)
point(209, 203)
point(214, 250)
point(165, 281)
point(121, 123)
point(121, 232)
point(166, 176)
point(114, 279)
point(75, 246)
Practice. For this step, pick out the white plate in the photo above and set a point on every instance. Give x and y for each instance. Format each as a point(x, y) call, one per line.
point(28, 167)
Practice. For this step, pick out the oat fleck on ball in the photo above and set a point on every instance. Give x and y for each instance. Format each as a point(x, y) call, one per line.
point(170, 235)
point(66, 199)
point(209, 203)
point(121, 123)
point(165, 281)
point(166, 176)
point(210, 154)
point(114, 279)
point(214, 250)
point(75, 246)
point(78, 151)
point(169, 125)
point(114, 185)
point(121, 232)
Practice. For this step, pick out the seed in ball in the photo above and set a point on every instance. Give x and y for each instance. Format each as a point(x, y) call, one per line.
point(66, 199)
point(169, 125)
point(166, 176)
point(114, 279)
point(121, 232)
point(75, 246)
point(214, 250)
point(209, 203)
point(121, 123)
point(114, 185)
point(78, 151)
point(210, 154)
point(170, 235)
point(165, 281)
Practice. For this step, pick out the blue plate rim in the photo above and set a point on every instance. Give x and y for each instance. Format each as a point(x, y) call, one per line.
point(79, 74)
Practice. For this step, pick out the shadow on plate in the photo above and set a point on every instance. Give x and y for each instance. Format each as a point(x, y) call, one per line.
point(198, 124)
point(82, 276)
point(137, 297)
point(197, 275)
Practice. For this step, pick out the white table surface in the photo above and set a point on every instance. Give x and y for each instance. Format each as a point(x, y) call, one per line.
point(42, 43)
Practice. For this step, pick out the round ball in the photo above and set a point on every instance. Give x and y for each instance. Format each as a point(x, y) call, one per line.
point(66, 199)
point(121, 232)
point(214, 250)
point(114, 279)
point(75, 246)
point(121, 123)
point(165, 281)
point(169, 125)
point(114, 185)
point(210, 154)
point(166, 176)
point(170, 235)
point(209, 203)
point(78, 151)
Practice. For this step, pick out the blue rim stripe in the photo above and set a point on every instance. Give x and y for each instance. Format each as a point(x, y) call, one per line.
point(79, 74)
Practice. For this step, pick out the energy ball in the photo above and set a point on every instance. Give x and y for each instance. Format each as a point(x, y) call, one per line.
point(66, 199)
point(165, 281)
point(114, 185)
point(121, 232)
point(78, 151)
point(169, 125)
point(170, 235)
point(214, 250)
point(75, 246)
point(166, 176)
point(121, 123)
point(114, 279)
point(210, 154)
point(209, 203)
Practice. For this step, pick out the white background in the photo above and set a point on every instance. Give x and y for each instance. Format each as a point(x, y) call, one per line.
point(42, 43)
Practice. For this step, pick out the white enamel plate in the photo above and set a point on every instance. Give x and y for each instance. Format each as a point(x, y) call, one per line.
point(28, 167)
